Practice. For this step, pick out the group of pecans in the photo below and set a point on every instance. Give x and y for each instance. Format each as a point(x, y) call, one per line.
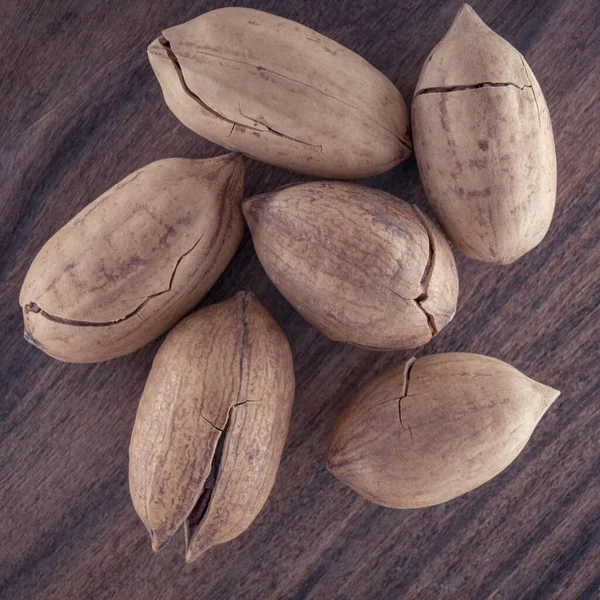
point(359, 264)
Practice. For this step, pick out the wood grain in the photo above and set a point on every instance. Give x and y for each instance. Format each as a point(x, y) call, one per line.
point(82, 109)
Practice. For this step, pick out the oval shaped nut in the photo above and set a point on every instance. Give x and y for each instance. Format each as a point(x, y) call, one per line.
point(434, 428)
point(484, 143)
point(281, 93)
point(361, 265)
point(135, 260)
point(211, 425)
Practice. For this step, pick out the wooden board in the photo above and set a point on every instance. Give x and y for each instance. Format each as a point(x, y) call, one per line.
point(80, 110)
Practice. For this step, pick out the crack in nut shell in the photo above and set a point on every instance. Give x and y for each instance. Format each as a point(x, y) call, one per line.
point(361, 265)
point(434, 428)
point(281, 93)
point(484, 143)
point(135, 260)
point(222, 378)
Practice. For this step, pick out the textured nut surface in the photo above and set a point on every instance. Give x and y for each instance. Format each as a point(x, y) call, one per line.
point(484, 143)
point(360, 265)
point(436, 427)
point(211, 425)
point(135, 260)
point(281, 93)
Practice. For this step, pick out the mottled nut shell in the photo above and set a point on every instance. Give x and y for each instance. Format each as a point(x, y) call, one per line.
point(484, 143)
point(434, 428)
point(281, 93)
point(361, 265)
point(135, 260)
point(223, 376)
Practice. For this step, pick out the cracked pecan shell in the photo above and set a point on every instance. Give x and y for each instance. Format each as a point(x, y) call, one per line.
point(281, 93)
point(135, 260)
point(434, 428)
point(484, 143)
point(211, 425)
point(361, 265)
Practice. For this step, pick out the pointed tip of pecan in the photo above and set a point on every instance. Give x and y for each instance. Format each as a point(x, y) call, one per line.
point(158, 539)
point(189, 556)
point(467, 20)
point(194, 554)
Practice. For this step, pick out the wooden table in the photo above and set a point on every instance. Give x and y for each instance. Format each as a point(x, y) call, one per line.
point(81, 109)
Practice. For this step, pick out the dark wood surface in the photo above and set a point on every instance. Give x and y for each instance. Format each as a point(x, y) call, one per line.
point(80, 110)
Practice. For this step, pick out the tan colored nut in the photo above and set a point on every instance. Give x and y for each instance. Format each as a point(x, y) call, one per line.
point(484, 144)
point(135, 260)
point(434, 428)
point(281, 93)
point(211, 425)
point(361, 265)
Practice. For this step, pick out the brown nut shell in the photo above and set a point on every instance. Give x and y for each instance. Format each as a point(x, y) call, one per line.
point(211, 425)
point(135, 260)
point(361, 265)
point(484, 143)
point(434, 428)
point(281, 93)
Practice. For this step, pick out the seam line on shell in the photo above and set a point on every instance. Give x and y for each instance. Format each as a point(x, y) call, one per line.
point(173, 57)
point(191, 529)
point(405, 143)
point(164, 42)
point(35, 308)
point(407, 369)
point(425, 278)
point(475, 86)
point(427, 273)
point(195, 518)
point(243, 344)
point(537, 106)
point(278, 133)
